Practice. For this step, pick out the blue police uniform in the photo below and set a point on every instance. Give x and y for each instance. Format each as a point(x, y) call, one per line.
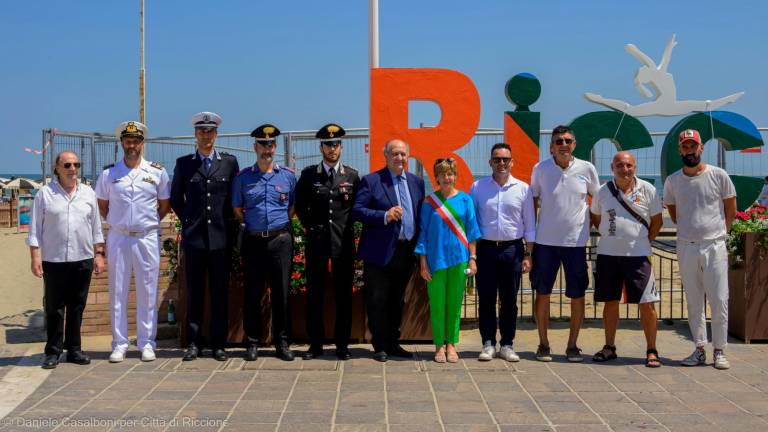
point(267, 249)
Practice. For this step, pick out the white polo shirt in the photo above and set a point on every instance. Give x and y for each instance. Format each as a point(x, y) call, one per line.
point(562, 193)
point(620, 233)
point(699, 202)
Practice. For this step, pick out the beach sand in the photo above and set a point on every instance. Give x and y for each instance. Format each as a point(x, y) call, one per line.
point(20, 290)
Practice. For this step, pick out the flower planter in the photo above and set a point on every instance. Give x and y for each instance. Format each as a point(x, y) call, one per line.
point(748, 297)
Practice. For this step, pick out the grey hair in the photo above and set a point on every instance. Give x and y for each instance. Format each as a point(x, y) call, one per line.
point(58, 158)
point(387, 145)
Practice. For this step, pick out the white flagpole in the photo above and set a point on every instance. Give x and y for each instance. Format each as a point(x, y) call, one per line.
point(142, 105)
point(373, 33)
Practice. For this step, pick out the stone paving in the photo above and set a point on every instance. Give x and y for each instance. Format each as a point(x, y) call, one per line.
point(409, 394)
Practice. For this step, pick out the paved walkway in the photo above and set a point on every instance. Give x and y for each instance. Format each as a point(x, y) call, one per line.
point(407, 395)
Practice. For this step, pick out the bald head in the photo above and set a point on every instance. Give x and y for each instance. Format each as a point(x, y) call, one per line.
point(396, 154)
point(623, 166)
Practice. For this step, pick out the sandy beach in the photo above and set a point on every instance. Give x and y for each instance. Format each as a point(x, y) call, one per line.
point(21, 291)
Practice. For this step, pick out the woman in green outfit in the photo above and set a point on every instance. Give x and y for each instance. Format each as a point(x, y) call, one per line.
point(446, 249)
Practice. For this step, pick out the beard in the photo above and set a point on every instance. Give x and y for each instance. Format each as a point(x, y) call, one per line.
point(691, 160)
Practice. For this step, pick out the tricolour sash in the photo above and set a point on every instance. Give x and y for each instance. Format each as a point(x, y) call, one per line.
point(449, 216)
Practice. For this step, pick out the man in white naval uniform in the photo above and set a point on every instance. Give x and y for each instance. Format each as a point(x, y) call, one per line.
point(133, 196)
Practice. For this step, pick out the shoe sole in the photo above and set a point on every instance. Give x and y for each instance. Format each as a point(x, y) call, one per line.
point(512, 360)
point(722, 367)
point(692, 365)
point(483, 359)
point(576, 360)
point(544, 359)
point(116, 361)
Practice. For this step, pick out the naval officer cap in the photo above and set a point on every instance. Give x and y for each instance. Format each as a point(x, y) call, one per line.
point(330, 134)
point(131, 129)
point(266, 133)
point(206, 119)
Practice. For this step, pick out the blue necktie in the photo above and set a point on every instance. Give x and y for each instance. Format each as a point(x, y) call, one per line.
point(208, 163)
point(405, 203)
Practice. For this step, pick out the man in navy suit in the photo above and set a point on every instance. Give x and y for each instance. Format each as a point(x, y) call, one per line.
point(388, 203)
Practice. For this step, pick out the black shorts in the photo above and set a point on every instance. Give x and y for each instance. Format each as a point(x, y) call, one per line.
point(631, 276)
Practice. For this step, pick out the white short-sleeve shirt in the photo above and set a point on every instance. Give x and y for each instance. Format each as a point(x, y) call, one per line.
point(620, 233)
point(563, 208)
point(133, 194)
point(698, 201)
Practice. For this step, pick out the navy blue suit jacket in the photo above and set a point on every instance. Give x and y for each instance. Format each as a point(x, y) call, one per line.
point(375, 196)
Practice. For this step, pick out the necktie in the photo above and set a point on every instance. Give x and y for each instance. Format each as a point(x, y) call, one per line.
point(330, 175)
point(405, 203)
point(207, 165)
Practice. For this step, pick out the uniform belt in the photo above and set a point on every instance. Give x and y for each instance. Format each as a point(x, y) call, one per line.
point(133, 233)
point(502, 242)
point(266, 234)
point(700, 241)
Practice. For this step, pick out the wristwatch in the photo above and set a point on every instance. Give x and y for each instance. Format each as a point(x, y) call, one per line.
point(100, 253)
point(526, 254)
point(473, 257)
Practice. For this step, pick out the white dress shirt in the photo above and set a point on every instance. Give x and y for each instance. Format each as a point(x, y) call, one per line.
point(64, 227)
point(504, 212)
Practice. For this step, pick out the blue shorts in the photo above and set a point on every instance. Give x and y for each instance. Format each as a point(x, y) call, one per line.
point(546, 263)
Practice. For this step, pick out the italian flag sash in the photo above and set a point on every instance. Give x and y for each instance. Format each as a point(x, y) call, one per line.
point(449, 216)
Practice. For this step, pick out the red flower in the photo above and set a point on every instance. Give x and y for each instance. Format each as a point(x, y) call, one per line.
point(296, 275)
point(742, 215)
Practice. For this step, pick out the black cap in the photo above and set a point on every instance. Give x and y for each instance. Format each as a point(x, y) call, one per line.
point(265, 133)
point(330, 133)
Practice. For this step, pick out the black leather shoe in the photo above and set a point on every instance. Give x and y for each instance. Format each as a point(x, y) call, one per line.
point(78, 357)
point(251, 353)
point(398, 351)
point(380, 356)
point(51, 361)
point(220, 355)
point(313, 352)
point(284, 352)
point(343, 353)
point(191, 353)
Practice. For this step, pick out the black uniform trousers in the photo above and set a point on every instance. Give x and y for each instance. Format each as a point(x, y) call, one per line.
point(499, 270)
point(213, 266)
point(342, 271)
point(66, 293)
point(267, 259)
point(385, 293)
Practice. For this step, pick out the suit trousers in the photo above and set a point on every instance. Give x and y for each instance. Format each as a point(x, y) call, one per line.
point(499, 267)
point(704, 272)
point(384, 295)
point(267, 259)
point(342, 271)
point(66, 293)
point(211, 266)
point(139, 256)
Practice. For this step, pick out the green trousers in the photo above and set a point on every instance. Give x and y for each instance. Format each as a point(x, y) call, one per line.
point(446, 292)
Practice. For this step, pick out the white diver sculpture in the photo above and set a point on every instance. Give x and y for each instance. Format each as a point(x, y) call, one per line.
point(663, 84)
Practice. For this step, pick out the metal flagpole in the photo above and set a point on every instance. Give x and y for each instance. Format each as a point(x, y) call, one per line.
point(373, 33)
point(142, 106)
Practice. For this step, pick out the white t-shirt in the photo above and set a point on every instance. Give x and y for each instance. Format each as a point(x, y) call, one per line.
point(699, 202)
point(620, 233)
point(563, 212)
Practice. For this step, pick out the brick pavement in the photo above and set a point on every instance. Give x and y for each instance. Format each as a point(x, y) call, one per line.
point(409, 395)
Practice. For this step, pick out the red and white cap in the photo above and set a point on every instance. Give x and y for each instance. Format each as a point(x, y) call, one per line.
point(689, 135)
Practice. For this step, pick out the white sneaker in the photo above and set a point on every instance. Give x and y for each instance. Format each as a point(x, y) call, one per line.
point(488, 352)
point(721, 362)
point(697, 358)
point(118, 355)
point(148, 354)
point(507, 353)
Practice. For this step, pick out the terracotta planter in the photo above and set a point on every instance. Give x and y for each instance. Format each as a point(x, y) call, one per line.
point(748, 297)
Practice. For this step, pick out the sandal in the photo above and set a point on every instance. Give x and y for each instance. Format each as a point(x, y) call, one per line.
point(440, 356)
point(600, 356)
point(453, 356)
point(652, 362)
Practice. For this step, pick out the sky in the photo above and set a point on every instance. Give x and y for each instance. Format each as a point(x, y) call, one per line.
point(73, 65)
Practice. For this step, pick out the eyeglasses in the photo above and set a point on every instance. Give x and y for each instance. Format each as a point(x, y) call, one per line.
point(561, 141)
point(68, 165)
point(504, 160)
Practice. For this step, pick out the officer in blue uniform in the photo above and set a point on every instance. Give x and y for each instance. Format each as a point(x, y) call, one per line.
point(262, 198)
point(201, 196)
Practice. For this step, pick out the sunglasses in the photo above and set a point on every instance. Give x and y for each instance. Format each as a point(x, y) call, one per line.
point(504, 160)
point(561, 141)
point(450, 160)
point(69, 165)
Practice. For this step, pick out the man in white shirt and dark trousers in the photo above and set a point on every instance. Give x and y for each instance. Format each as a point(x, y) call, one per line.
point(560, 187)
point(504, 208)
point(701, 200)
point(627, 211)
point(133, 196)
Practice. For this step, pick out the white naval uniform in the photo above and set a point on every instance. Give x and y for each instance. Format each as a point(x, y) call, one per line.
point(133, 245)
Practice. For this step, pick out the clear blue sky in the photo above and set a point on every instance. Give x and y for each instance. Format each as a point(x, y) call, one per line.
point(73, 65)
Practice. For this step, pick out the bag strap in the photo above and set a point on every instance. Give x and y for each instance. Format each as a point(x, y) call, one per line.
point(615, 193)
